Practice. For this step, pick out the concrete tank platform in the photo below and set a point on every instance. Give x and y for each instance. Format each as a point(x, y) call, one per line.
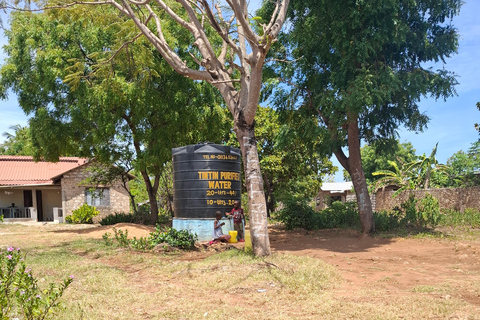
point(202, 227)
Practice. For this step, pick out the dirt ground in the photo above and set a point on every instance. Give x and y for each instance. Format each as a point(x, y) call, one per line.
point(397, 266)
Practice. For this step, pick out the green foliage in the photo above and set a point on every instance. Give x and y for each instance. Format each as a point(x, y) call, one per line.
point(299, 214)
point(84, 214)
point(454, 218)
point(292, 155)
point(412, 213)
point(423, 168)
point(409, 209)
point(360, 68)
point(339, 215)
point(182, 239)
point(387, 220)
point(429, 210)
point(117, 217)
point(107, 238)
point(20, 295)
point(399, 178)
point(378, 155)
point(121, 237)
point(84, 82)
point(462, 167)
point(421, 173)
point(142, 216)
point(141, 244)
point(19, 143)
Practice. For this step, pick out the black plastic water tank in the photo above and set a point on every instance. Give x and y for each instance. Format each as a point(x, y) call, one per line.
point(206, 178)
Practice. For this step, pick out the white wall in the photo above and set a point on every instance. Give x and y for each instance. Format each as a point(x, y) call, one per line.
point(9, 196)
point(50, 199)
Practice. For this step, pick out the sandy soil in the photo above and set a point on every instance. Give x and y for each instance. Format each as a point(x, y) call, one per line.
point(397, 265)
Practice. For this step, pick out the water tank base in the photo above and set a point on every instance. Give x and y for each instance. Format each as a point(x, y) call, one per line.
point(202, 227)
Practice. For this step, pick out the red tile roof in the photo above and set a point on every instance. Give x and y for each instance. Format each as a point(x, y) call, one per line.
point(22, 170)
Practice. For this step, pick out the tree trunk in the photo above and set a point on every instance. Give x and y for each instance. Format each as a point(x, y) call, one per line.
point(132, 201)
point(257, 208)
point(152, 195)
point(353, 164)
point(269, 198)
point(358, 177)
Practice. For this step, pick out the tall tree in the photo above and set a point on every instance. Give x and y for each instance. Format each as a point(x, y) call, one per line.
point(424, 166)
point(17, 143)
point(292, 157)
point(89, 98)
point(463, 167)
point(230, 55)
point(377, 156)
point(360, 67)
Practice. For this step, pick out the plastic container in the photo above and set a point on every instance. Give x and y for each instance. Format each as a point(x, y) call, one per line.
point(233, 236)
point(206, 179)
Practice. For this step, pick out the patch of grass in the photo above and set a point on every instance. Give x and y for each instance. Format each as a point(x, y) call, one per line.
point(424, 289)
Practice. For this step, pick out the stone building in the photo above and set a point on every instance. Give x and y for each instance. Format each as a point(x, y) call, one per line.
point(334, 191)
point(46, 191)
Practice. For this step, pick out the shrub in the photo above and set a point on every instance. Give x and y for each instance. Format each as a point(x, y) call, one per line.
point(298, 214)
point(183, 239)
point(117, 218)
point(387, 220)
point(142, 216)
point(429, 211)
point(20, 295)
point(426, 215)
point(409, 209)
point(408, 215)
point(453, 218)
point(338, 215)
point(84, 214)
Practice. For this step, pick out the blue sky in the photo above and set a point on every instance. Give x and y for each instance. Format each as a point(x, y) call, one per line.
point(451, 124)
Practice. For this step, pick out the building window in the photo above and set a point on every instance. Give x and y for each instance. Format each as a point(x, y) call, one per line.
point(97, 197)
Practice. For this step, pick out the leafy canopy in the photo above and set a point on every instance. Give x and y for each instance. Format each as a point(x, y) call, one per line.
point(90, 99)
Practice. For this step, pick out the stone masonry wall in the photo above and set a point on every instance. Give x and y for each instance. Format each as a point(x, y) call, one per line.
point(73, 194)
point(450, 198)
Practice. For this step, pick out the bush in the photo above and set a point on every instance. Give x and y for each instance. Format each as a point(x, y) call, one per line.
point(409, 209)
point(298, 214)
point(84, 214)
point(453, 218)
point(429, 211)
point(183, 239)
point(142, 216)
point(426, 215)
point(20, 296)
point(338, 215)
point(410, 214)
point(387, 220)
point(117, 217)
